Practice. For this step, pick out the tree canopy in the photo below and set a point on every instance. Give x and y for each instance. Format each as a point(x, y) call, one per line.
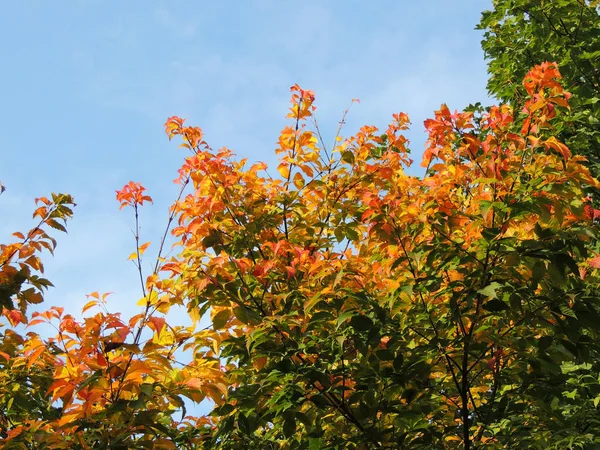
point(350, 305)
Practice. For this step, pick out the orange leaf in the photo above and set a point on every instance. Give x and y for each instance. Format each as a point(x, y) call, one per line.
point(595, 262)
point(35, 322)
point(32, 358)
point(291, 272)
point(158, 323)
point(195, 383)
point(143, 248)
point(15, 317)
point(561, 148)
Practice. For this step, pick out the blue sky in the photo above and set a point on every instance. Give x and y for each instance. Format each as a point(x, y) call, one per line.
point(86, 86)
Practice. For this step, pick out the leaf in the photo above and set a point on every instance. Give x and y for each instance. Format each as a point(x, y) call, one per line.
point(342, 318)
point(312, 302)
point(299, 180)
point(351, 233)
point(157, 323)
point(495, 305)
point(220, 319)
point(284, 170)
point(348, 157)
point(211, 240)
point(89, 305)
point(595, 262)
point(319, 400)
point(54, 224)
point(110, 346)
point(490, 290)
point(385, 355)
point(289, 425)
point(243, 424)
point(361, 323)
point(34, 356)
point(246, 315)
point(398, 362)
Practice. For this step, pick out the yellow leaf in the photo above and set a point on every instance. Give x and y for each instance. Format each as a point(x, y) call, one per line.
point(299, 180)
point(413, 210)
point(284, 170)
point(194, 315)
point(88, 305)
point(307, 170)
point(163, 307)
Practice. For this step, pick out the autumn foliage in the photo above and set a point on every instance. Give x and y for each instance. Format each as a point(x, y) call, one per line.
point(351, 305)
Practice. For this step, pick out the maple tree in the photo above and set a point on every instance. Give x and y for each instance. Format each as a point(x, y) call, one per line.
point(351, 305)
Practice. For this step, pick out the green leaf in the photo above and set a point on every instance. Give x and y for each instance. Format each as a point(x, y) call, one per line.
point(319, 400)
point(351, 233)
point(567, 311)
point(495, 305)
point(537, 272)
point(385, 355)
point(348, 157)
point(317, 444)
point(490, 290)
point(312, 302)
point(221, 318)
point(484, 207)
point(361, 323)
point(289, 425)
point(344, 317)
point(398, 362)
point(339, 233)
point(246, 315)
point(243, 423)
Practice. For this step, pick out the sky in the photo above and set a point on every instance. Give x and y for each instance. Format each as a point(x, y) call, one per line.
point(87, 85)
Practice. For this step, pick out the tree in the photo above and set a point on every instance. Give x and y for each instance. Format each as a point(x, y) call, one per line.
point(22, 385)
point(521, 33)
point(359, 307)
point(103, 382)
point(352, 305)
